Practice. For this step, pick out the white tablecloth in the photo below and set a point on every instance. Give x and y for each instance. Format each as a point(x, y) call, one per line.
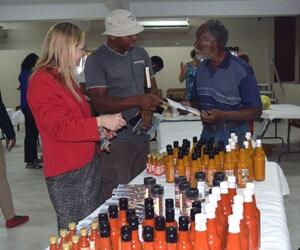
point(177, 128)
point(269, 196)
point(281, 111)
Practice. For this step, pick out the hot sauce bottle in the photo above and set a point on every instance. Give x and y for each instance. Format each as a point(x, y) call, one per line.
point(259, 162)
point(159, 235)
point(233, 238)
point(148, 236)
point(194, 211)
point(134, 224)
point(113, 212)
point(214, 240)
point(183, 234)
point(171, 235)
point(63, 233)
point(123, 206)
point(201, 242)
point(126, 238)
point(83, 241)
point(104, 242)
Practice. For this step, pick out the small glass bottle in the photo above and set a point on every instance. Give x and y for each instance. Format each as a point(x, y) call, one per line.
point(192, 195)
point(200, 177)
point(157, 193)
point(178, 180)
point(170, 167)
point(183, 186)
point(149, 182)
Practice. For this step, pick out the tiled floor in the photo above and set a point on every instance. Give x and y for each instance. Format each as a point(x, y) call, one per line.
point(31, 197)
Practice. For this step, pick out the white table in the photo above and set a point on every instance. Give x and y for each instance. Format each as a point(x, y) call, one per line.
point(269, 196)
point(176, 129)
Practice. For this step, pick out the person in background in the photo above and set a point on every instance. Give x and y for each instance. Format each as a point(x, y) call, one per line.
point(68, 131)
point(31, 131)
point(225, 89)
point(6, 202)
point(157, 64)
point(187, 73)
point(115, 79)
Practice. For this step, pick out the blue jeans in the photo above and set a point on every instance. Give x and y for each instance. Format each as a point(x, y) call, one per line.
point(224, 134)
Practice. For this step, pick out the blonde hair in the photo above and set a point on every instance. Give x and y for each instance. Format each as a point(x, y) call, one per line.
point(58, 52)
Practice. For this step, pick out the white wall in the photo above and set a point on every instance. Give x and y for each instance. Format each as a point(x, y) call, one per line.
point(253, 36)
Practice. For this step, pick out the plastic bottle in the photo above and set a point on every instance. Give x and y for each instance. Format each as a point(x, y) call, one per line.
point(170, 218)
point(126, 238)
point(225, 199)
point(250, 162)
point(94, 235)
point(194, 211)
point(75, 242)
point(149, 182)
point(159, 235)
point(63, 233)
point(134, 224)
point(123, 206)
point(233, 238)
point(53, 242)
point(243, 171)
point(104, 242)
point(183, 234)
point(148, 237)
point(237, 210)
point(201, 242)
point(170, 167)
point(178, 180)
point(157, 194)
point(251, 220)
point(249, 140)
point(71, 230)
point(214, 240)
point(229, 166)
point(83, 240)
point(211, 169)
point(171, 236)
point(114, 227)
point(259, 162)
point(231, 187)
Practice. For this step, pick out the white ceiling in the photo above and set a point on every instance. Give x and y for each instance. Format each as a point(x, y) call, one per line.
point(33, 10)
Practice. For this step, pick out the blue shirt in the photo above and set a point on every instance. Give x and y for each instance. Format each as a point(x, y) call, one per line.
point(230, 87)
point(23, 79)
point(189, 79)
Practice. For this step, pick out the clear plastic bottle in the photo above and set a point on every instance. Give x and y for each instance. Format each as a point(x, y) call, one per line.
point(149, 182)
point(157, 194)
point(178, 180)
point(200, 177)
point(183, 186)
point(191, 195)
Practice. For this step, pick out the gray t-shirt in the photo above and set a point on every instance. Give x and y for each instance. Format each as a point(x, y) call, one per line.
point(122, 75)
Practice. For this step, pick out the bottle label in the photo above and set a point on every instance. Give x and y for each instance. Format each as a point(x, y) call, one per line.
point(201, 189)
point(243, 175)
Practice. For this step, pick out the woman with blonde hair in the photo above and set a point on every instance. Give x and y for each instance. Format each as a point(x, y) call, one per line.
point(68, 132)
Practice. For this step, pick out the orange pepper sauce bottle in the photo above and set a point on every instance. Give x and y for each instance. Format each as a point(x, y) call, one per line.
point(113, 212)
point(123, 206)
point(259, 162)
point(71, 231)
point(175, 151)
point(159, 235)
point(104, 242)
point(251, 220)
point(148, 237)
point(193, 170)
point(170, 217)
point(249, 140)
point(211, 169)
point(94, 236)
point(228, 167)
point(180, 168)
point(133, 222)
point(250, 162)
point(214, 240)
point(194, 211)
point(237, 210)
point(231, 187)
point(53, 242)
point(171, 235)
point(243, 170)
point(126, 238)
point(75, 242)
point(233, 238)
point(170, 167)
point(183, 234)
point(83, 240)
point(186, 162)
point(201, 242)
point(63, 233)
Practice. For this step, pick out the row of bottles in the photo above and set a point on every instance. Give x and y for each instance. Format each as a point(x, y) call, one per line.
point(246, 163)
point(225, 220)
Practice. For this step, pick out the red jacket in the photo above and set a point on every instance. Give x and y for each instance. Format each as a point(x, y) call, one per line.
point(67, 130)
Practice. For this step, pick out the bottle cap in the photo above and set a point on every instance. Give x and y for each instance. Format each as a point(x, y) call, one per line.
point(234, 224)
point(53, 239)
point(183, 223)
point(169, 146)
point(197, 204)
point(170, 214)
point(75, 239)
point(71, 226)
point(175, 144)
point(105, 231)
point(133, 222)
point(238, 210)
point(195, 139)
point(160, 223)
point(169, 203)
point(194, 211)
point(210, 211)
point(149, 181)
point(194, 156)
point(170, 151)
point(224, 187)
point(102, 217)
point(113, 211)
point(232, 145)
point(231, 181)
point(216, 191)
point(192, 193)
point(250, 185)
point(228, 148)
point(213, 200)
point(232, 135)
point(83, 231)
point(200, 222)
point(149, 213)
point(180, 179)
point(63, 232)
point(248, 195)
point(157, 190)
point(171, 234)
point(104, 226)
point(184, 185)
point(94, 225)
point(216, 182)
point(248, 136)
point(229, 140)
point(66, 246)
point(219, 176)
point(246, 144)
point(130, 212)
point(126, 233)
point(258, 143)
point(200, 176)
point(238, 199)
point(123, 203)
point(148, 202)
point(148, 234)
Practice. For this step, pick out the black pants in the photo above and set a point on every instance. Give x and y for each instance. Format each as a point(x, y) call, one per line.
point(31, 137)
point(124, 162)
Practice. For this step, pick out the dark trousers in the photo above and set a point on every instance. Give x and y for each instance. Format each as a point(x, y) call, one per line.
point(31, 137)
point(124, 162)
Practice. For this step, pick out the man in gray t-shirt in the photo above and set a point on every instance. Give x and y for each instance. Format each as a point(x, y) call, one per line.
point(115, 79)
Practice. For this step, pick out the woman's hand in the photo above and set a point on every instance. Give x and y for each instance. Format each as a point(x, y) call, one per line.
point(111, 122)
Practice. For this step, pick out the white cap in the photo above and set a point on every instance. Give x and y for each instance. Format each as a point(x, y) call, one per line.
point(217, 192)
point(248, 136)
point(238, 209)
point(238, 199)
point(228, 148)
point(234, 224)
point(210, 211)
point(235, 138)
point(121, 23)
point(258, 143)
point(250, 185)
point(248, 195)
point(229, 141)
point(231, 179)
point(212, 199)
point(224, 187)
point(246, 144)
point(232, 135)
point(200, 222)
point(232, 145)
